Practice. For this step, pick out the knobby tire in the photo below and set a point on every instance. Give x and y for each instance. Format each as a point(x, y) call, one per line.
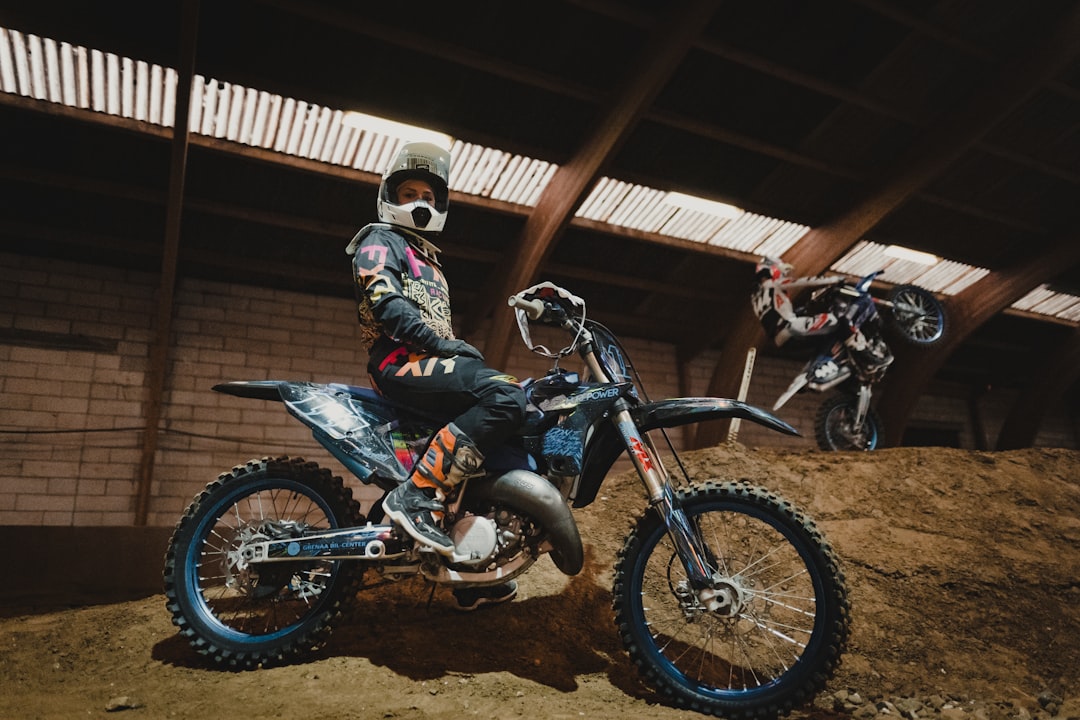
point(923, 327)
point(791, 628)
point(833, 425)
point(275, 611)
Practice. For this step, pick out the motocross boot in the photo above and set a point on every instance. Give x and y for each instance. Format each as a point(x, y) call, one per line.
point(469, 599)
point(417, 504)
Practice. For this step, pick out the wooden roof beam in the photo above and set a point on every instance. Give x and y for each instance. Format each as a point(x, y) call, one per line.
point(960, 131)
point(1053, 377)
point(914, 369)
point(573, 179)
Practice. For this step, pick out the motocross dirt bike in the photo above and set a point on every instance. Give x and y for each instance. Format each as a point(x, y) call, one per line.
point(845, 420)
point(727, 598)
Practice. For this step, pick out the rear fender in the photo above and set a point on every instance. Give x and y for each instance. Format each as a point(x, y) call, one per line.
point(354, 424)
point(254, 389)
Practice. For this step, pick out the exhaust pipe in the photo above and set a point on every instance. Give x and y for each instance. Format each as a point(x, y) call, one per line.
point(540, 500)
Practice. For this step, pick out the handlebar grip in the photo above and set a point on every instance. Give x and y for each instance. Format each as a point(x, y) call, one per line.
point(533, 308)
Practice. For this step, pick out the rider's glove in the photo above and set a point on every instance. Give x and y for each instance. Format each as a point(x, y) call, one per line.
point(450, 348)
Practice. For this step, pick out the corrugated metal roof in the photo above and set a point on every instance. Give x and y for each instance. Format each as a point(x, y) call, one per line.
point(944, 276)
point(650, 210)
point(47, 70)
point(1045, 301)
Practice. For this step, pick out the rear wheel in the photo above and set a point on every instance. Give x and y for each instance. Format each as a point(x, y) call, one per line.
point(916, 315)
point(769, 629)
point(835, 426)
point(245, 615)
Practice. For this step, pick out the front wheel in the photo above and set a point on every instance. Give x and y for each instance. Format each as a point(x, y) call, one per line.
point(835, 425)
point(765, 634)
point(241, 614)
point(916, 316)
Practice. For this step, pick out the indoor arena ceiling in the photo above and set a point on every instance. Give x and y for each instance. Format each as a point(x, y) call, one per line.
point(950, 127)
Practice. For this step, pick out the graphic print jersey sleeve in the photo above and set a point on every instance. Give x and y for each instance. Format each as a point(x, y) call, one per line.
point(408, 296)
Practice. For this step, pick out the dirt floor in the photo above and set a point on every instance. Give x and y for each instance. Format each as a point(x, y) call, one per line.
point(964, 575)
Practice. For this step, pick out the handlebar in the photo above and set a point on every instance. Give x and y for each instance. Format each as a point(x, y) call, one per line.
point(544, 311)
point(555, 312)
point(534, 308)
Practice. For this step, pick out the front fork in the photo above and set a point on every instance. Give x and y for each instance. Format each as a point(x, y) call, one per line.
point(657, 482)
point(862, 406)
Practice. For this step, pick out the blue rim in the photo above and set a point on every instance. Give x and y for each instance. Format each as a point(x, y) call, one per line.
point(794, 673)
point(193, 588)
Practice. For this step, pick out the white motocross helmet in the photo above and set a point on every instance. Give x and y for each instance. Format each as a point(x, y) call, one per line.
point(423, 161)
point(770, 268)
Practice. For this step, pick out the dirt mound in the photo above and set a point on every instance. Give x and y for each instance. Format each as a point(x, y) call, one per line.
point(964, 577)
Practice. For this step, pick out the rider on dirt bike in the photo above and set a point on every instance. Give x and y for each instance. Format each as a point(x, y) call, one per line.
point(782, 322)
point(414, 358)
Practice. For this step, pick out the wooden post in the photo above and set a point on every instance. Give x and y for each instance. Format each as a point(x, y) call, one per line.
point(159, 346)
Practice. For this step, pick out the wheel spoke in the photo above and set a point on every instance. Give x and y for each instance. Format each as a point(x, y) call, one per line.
point(761, 616)
point(267, 598)
point(747, 641)
point(248, 614)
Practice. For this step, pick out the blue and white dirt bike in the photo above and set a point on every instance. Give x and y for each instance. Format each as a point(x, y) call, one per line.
point(727, 598)
point(846, 420)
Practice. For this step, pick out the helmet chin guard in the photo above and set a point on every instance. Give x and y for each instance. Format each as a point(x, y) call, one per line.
point(419, 161)
point(416, 215)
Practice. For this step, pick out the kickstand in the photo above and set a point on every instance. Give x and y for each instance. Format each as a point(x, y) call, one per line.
point(431, 596)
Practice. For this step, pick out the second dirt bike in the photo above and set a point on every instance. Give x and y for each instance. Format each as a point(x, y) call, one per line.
point(727, 598)
point(846, 420)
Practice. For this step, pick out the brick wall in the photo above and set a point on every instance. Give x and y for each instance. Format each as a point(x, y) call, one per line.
point(79, 406)
point(73, 358)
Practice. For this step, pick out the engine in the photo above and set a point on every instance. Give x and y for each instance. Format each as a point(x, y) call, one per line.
point(490, 540)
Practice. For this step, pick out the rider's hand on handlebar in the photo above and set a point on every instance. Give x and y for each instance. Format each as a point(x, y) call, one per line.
point(450, 348)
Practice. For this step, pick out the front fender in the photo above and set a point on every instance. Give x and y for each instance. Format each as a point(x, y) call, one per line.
point(606, 445)
point(684, 411)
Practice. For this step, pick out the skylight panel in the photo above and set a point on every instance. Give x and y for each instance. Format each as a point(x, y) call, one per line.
point(1044, 301)
point(702, 205)
point(903, 266)
point(780, 241)
point(605, 194)
point(545, 171)
point(43, 69)
point(394, 128)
